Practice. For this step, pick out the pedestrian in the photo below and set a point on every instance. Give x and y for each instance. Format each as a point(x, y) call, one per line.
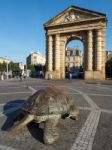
point(21, 77)
point(70, 76)
point(2, 76)
point(49, 76)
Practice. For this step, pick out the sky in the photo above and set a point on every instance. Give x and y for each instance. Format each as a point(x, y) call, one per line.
point(21, 24)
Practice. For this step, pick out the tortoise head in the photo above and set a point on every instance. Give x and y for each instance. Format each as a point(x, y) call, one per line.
point(73, 112)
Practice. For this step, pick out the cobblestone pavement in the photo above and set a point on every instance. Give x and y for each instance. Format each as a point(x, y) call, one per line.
point(91, 132)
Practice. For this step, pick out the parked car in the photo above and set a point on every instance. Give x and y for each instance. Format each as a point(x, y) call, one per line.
point(75, 74)
point(81, 75)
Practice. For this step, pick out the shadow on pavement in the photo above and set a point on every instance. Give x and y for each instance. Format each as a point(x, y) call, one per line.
point(36, 131)
point(13, 111)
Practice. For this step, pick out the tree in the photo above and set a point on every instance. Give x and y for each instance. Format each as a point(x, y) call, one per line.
point(109, 68)
point(31, 67)
point(3, 66)
point(14, 67)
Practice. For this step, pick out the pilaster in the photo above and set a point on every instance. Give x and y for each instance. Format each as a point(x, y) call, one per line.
point(89, 51)
point(62, 59)
point(57, 52)
point(50, 51)
point(98, 50)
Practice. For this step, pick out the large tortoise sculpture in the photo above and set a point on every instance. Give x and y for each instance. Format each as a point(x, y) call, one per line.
point(47, 105)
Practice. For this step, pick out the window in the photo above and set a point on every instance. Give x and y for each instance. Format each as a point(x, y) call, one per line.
point(77, 52)
point(71, 58)
point(35, 57)
point(68, 53)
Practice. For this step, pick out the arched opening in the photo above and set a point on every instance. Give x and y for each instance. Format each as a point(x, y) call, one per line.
point(74, 59)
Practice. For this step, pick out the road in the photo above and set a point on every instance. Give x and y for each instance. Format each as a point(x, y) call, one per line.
point(93, 131)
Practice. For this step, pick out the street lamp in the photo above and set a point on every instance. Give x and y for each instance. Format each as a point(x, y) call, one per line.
point(7, 67)
point(7, 71)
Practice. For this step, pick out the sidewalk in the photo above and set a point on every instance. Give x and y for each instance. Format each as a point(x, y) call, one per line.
point(103, 82)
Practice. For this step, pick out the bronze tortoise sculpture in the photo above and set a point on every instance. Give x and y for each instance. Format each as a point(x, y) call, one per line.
point(47, 105)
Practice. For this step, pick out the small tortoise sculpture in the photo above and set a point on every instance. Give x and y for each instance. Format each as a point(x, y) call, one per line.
point(48, 106)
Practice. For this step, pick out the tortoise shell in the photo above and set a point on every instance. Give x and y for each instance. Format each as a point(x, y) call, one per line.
point(50, 100)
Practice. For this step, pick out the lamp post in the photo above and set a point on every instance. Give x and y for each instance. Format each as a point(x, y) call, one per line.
point(7, 67)
point(7, 72)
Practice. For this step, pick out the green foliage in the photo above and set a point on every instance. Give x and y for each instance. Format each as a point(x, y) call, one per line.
point(3, 66)
point(14, 67)
point(109, 68)
point(11, 66)
point(31, 67)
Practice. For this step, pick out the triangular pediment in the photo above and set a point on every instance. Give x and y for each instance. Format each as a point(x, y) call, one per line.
point(74, 14)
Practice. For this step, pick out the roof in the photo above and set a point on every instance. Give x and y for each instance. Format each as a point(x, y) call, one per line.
point(83, 10)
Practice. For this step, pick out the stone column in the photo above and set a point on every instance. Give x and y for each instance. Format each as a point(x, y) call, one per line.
point(62, 58)
point(103, 51)
point(50, 51)
point(103, 44)
point(89, 51)
point(57, 52)
point(98, 50)
point(85, 51)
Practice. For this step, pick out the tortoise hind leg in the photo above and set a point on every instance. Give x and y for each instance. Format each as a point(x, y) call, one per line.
point(51, 133)
point(27, 119)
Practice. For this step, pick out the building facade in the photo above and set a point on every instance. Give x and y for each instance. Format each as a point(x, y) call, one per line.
point(4, 59)
point(36, 58)
point(73, 59)
point(21, 67)
point(108, 55)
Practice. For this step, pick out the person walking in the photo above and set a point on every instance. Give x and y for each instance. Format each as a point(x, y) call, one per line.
point(2, 76)
point(70, 76)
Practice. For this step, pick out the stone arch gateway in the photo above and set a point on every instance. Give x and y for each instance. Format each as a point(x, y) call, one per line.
point(76, 23)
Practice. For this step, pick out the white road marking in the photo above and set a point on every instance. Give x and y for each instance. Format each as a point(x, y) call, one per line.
point(71, 93)
point(32, 89)
point(90, 102)
point(13, 93)
point(85, 138)
point(89, 108)
point(39, 86)
point(99, 94)
point(86, 97)
point(84, 108)
point(102, 87)
point(106, 111)
point(14, 87)
point(94, 94)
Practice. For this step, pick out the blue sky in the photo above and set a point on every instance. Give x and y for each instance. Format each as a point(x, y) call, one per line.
point(21, 23)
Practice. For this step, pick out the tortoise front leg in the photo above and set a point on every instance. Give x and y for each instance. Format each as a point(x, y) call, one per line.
point(27, 119)
point(51, 133)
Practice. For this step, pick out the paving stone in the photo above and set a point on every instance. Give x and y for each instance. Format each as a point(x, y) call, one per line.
point(103, 137)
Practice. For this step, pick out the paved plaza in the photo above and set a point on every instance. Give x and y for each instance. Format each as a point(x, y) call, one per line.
point(93, 131)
